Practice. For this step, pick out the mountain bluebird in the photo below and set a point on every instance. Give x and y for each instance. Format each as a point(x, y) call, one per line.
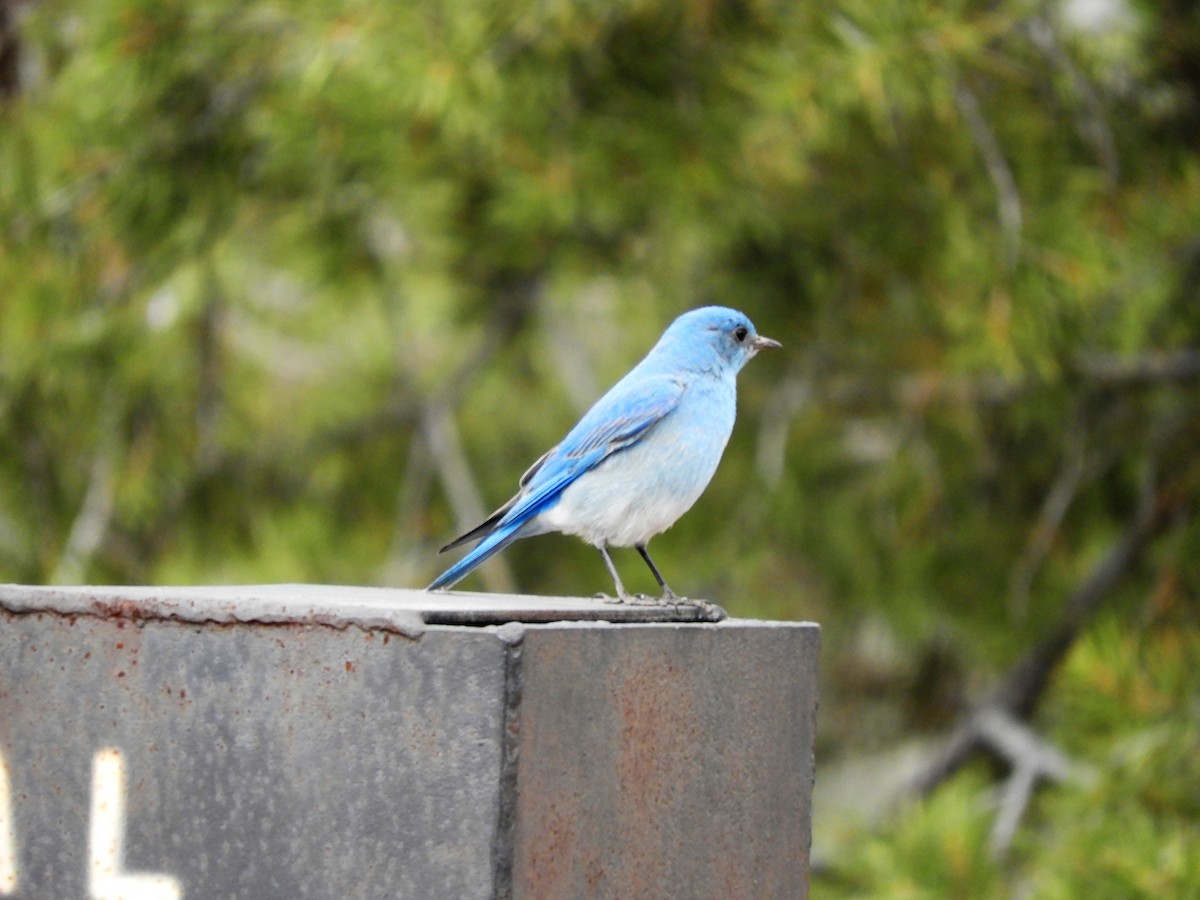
point(640, 457)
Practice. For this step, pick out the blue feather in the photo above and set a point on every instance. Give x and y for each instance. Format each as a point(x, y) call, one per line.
point(585, 486)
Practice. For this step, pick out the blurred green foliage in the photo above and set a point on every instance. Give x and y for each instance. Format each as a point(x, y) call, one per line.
point(1127, 709)
point(294, 291)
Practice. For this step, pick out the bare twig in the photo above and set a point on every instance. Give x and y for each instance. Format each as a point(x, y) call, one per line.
point(95, 512)
point(210, 378)
point(1168, 367)
point(1014, 800)
point(1008, 198)
point(407, 559)
point(1098, 370)
point(1031, 758)
point(576, 368)
point(441, 436)
point(439, 432)
point(1090, 119)
point(1058, 500)
point(1019, 691)
point(787, 399)
point(1022, 688)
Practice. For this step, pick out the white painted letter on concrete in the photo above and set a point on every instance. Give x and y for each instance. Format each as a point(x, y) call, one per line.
point(8, 833)
point(106, 836)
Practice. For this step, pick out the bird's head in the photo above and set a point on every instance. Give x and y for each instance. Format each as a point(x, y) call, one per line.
point(715, 331)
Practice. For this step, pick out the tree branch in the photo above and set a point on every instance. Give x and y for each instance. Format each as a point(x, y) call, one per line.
point(1106, 371)
point(1031, 758)
point(92, 522)
point(1090, 119)
point(787, 398)
point(441, 436)
point(1008, 198)
point(438, 430)
point(1166, 367)
point(1058, 500)
point(406, 558)
point(1018, 692)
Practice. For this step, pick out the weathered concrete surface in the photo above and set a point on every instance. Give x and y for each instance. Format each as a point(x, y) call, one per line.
point(300, 741)
point(390, 609)
point(263, 761)
point(665, 761)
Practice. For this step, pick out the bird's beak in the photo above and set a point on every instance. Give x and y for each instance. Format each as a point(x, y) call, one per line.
point(764, 343)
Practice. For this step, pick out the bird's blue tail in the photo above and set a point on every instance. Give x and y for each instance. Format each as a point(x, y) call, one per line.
point(485, 549)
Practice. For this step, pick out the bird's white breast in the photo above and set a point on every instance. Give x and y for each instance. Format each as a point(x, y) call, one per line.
point(642, 490)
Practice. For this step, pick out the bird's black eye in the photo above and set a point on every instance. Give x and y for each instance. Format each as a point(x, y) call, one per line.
point(739, 333)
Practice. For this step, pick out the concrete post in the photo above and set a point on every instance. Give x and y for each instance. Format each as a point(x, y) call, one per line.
point(296, 741)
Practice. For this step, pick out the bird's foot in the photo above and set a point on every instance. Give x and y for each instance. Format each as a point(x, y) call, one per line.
point(708, 612)
point(647, 600)
point(633, 600)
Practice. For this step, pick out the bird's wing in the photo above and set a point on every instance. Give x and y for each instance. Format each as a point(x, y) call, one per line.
point(620, 418)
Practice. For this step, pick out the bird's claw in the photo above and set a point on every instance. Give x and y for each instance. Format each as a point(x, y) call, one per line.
point(647, 600)
point(708, 612)
point(635, 599)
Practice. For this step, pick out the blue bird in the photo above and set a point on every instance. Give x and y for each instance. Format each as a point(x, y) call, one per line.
point(640, 457)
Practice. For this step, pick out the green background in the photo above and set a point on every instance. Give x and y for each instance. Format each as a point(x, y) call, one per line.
point(295, 291)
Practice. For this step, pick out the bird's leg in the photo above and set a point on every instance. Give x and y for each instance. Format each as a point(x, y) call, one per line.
point(668, 594)
point(622, 594)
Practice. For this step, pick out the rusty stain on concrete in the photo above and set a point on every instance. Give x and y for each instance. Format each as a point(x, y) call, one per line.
point(690, 774)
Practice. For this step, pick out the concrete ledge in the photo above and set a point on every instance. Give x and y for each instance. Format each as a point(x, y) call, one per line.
point(312, 741)
point(390, 609)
